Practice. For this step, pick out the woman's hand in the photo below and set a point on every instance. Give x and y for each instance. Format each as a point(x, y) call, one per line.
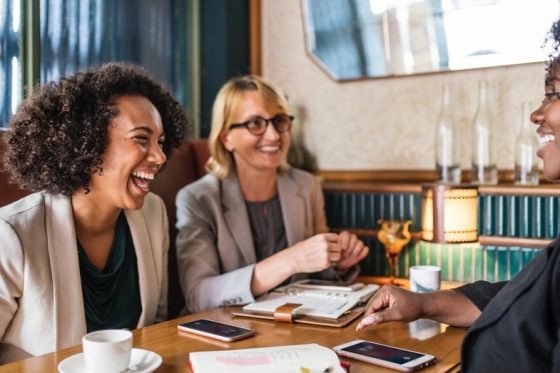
point(312, 255)
point(391, 303)
point(316, 253)
point(353, 250)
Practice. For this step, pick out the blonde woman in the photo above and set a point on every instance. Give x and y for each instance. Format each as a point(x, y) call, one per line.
point(254, 223)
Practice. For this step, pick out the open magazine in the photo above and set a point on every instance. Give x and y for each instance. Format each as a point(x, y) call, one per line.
point(312, 358)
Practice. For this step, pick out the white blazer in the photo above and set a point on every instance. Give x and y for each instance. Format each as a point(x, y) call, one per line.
point(41, 302)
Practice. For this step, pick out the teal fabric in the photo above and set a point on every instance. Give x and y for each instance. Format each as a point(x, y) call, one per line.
point(112, 296)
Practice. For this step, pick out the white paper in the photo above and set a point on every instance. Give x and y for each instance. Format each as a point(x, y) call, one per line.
point(281, 359)
point(331, 308)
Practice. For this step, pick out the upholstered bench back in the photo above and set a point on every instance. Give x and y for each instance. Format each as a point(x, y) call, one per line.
point(184, 166)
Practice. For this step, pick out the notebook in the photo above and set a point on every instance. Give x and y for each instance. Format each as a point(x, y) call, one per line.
point(324, 307)
point(308, 358)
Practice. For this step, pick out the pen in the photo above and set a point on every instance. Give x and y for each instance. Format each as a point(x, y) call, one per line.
point(327, 370)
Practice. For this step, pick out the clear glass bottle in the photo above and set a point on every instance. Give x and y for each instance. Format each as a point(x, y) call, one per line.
point(448, 146)
point(484, 162)
point(526, 146)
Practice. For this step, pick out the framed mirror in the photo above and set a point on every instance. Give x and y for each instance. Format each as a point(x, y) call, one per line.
point(354, 39)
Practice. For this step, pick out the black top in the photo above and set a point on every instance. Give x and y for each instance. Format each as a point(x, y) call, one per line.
point(112, 297)
point(519, 328)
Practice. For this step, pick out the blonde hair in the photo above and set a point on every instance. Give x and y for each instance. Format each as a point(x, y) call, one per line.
point(221, 163)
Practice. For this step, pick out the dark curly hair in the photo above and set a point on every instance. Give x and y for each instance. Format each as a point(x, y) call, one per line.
point(552, 39)
point(59, 133)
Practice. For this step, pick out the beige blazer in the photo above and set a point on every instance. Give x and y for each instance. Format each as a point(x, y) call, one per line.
point(41, 302)
point(215, 250)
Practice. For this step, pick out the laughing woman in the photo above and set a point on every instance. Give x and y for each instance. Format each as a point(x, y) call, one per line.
point(88, 250)
point(513, 326)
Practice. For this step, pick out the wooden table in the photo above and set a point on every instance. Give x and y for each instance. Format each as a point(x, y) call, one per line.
point(426, 336)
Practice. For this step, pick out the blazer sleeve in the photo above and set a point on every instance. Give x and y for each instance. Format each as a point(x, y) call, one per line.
point(320, 226)
point(203, 282)
point(11, 275)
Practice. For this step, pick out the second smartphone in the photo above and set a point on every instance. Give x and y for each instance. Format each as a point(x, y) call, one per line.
point(386, 356)
point(216, 330)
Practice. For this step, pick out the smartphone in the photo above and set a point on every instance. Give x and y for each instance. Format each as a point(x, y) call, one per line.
point(386, 356)
point(216, 330)
point(328, 285)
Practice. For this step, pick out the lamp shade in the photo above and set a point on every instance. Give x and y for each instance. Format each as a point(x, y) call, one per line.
point(449, 213)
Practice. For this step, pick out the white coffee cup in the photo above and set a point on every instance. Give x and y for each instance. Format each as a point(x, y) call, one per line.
point(107, 351)
point(424, 279)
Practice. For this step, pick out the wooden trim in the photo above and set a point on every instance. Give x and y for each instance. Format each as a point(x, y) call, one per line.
point(415, 236)
point(194, 29)
point(408, 176)
point(483, 240)
point(513, 241)
point(371, 187)
point(500, 189)
point(405, 176)
point(509, 190)
point(255, 37)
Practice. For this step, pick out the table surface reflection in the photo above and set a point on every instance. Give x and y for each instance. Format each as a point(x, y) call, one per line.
point(425, 336)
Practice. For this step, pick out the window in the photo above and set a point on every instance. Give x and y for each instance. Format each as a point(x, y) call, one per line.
point(10, 76)
point(74, 34)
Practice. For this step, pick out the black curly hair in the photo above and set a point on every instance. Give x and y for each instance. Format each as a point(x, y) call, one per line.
point(552, 39)
point(59, 133)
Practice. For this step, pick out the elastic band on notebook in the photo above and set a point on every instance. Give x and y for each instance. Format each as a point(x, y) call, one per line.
point(285, 312)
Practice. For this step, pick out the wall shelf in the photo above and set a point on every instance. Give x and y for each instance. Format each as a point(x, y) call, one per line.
point(515, 224)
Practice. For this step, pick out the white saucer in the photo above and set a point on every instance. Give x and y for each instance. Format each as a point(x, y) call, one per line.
point(141, 361)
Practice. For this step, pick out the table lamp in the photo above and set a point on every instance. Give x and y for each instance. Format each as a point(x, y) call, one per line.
point(449, 213)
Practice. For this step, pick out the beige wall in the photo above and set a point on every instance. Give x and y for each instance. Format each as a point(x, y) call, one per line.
point(385, 123)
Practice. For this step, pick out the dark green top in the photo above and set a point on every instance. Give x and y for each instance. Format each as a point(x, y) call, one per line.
point(112, 297)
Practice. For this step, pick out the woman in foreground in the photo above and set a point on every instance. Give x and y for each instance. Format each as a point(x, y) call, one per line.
point(88, 250)
point(513, 326)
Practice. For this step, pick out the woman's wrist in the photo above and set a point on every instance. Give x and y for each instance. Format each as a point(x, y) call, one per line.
point(340, 271)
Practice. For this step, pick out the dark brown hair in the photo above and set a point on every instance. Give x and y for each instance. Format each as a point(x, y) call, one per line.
point(552, 39)
point(58, 134)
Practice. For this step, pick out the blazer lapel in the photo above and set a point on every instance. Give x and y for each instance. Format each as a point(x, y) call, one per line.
point(67, 288)
point(237, 218)
point(293, 208)
point(146, 266)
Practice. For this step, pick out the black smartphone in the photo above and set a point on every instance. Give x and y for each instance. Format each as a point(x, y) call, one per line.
point(386, 356)
point(216, 330)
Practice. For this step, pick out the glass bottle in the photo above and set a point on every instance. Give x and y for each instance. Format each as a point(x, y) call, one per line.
point(526, 145)
point(484, 164)
point(448, 146)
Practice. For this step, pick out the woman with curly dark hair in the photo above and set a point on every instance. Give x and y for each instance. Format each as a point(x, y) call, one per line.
point(514, 326)
point(88, 250)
